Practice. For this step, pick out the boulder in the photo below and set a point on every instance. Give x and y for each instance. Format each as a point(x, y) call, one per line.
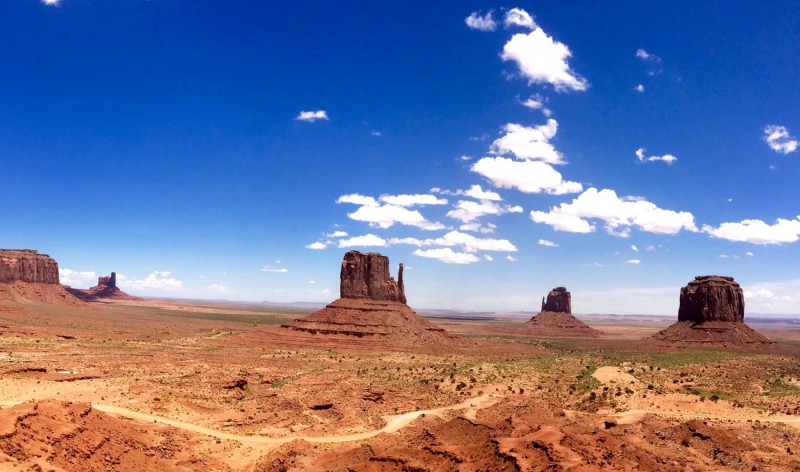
point(711, 298)
point(27, 265)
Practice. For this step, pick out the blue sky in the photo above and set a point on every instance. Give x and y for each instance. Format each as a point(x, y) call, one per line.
point(213, 149)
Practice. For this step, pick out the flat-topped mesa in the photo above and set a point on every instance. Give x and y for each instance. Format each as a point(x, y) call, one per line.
point(367, 276)
point(711, 298)
point(558, 301)
point(27, 265)
point(108, 280)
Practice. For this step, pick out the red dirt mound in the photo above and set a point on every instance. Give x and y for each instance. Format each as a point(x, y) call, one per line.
point(557, 325)
point(54, 435)
point(24, 293)
point(712, 332)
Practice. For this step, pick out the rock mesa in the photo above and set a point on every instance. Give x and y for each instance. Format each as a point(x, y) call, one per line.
point(556, 320)
point(27, 265)
point(711, 311)
point(106, 289)
point(371, 304)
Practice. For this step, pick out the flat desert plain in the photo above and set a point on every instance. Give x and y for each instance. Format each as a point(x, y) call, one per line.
point(181, 385)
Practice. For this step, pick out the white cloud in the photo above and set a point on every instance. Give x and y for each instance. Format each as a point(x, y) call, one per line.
point(757, 231)
point(749, 253)
point(312, 116)
point(668, 158)
point(366, 240)
point(217, 288)
point(77, 278)
point(357, 199)
point(642, 54)
point(51, 2)
point(312, 281)
point(634, 248)
point(541, 59)
point(411, 200)
point(544, 242)
point(377, 134)
point(317, 245)
point(511, 258)
point(529, 142)
point(723, 256)
point(468, 210)
point(527, 176)
point(465, 158)
point(488, 228)
point(488, 257)
point(481, 23)
point(467, 242)
point(761, 293)
point(619, 214)
point(447, 255)
point(277, 270)
point(478, 193)
point(536, 102)
point(157, 280)
point(481, 137)
point(779, 140)
point(519, 17)
point(336, 234)
point(385, 216)
point(633, 261)
point(639, 88)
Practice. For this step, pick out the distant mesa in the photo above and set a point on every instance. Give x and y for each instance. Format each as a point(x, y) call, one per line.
point(711, 312)
point(371, 303)
point(556, 320)
point(106, 289)
point(27, 276)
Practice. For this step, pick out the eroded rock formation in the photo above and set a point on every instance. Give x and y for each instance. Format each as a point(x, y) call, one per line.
point(108, 280)
point(558, 301)
point(556, 320)
point(106, 288)
point(367, 276)
point(711, 298)
point(371, 304)
point(711, 311)
point(27, 265)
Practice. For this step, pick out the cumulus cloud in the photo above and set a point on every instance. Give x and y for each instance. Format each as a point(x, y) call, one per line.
point(337, 234)
point(519, 17)
point(277, 270)
point(544, 242)
point(779, 140)
point(618, 214)
point(467, 242)
point(633, 261)
point(668, 158)
point(541, 59)
point(488, 257)
point(478, 193)
point(447, 255)
point(411, 200)
point(511, 258)
point(312, 116)
point(318, 245)
point(481, 23)
point(77, 278)
point(529, 142)
point(363, 241)
point(639, 88)
point(634, 248)
point(757, 231)
point(468, 210)
point(536, 102)
point(157, 280)
point(646, 56)
point(357, 199)
point(51, 2)
point(525, 176)
point(488, 228)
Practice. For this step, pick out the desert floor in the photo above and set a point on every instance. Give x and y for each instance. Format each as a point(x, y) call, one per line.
point(178, 385)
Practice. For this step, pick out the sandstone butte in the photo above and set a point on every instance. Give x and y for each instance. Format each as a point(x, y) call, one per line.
point(371, 304)
point(556, 319)
point(106, 289)
point(711, 311)
point(27, 276)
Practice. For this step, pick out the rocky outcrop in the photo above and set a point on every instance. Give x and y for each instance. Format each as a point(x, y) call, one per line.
point(367, 276)
point(711, 312)
point(372, 304)
point(558, 301)
point(27, 265)
point(106, 289)
point(556, 320)
point(711, 298)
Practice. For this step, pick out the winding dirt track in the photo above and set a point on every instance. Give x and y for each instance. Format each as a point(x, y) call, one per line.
point(394, 423)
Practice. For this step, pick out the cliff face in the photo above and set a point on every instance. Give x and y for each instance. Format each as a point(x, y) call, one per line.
point(711, 298)
point(27, 265)
point(367, 276)
point(558, 300)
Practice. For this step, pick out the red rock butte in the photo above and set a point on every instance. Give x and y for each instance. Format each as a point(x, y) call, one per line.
point(28, 276)
point(555, 319)
point(371, 303)
point(106, 289)
point(711, 312)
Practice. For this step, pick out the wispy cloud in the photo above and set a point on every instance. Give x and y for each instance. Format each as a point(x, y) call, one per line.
point(668, 158)
point(481, 23)
point(779, 140)
point(312, 116)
